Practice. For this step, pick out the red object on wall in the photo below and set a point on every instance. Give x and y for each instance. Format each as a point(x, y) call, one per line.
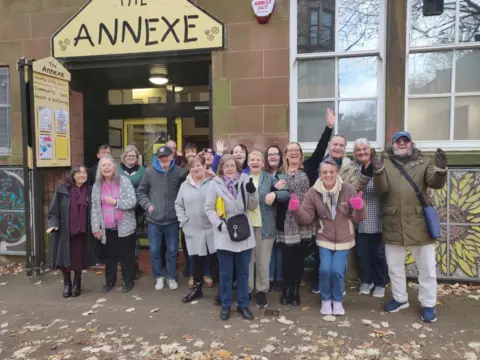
point(263, 10)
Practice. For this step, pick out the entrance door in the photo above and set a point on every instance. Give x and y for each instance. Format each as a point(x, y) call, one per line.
point(148, 135)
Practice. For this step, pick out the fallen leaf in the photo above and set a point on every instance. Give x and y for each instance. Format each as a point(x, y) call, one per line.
point(385, 324)
point(4, 283)
point(269, 348)
point(470, 356)
point(475, 297)
point(367, 322)
point(283, 320)
point(98, 272)
point(129, 310)
point(4, 325)
point(422, 336)
point(264, 321)
point(198, 343)
point(155, 310)
point(38, 283)
point(227, 326)
point(305, 308)
point(101, 300)
point(375, 326)
point(332, 334)
point(215, 345)
point(223, 354)
point(4, 312)
point(89, 312)
point(343, 324)
point(474, 345)
point(194, 302)
point(417, 326)
point(329, 318)
point(254, 326)
point(128, 347)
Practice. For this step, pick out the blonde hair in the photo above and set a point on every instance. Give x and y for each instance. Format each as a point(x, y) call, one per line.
point(255, 153)
point(226, 158)
point(285, 164)
point(128, 149)
point(192, 160)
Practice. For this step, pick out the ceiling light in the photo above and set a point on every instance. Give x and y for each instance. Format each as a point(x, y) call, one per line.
point(158, 79)
point(177, 88)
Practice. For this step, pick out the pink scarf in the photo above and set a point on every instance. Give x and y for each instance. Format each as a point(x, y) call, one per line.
point(112, 217)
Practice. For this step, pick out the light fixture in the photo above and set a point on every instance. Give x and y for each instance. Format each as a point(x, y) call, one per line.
point(177, 88)
point(158, 75)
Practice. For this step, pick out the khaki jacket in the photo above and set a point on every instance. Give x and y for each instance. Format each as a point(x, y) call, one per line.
point(352, 176)
point(338, 234)
point(403, 217)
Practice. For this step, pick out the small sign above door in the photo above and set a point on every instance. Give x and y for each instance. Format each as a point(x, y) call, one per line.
point(122, 27)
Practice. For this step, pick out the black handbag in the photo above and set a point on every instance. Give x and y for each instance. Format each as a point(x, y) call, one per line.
point(238, 226)
point(431, 216)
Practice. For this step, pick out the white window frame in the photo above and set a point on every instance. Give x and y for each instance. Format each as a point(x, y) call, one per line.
point(381, 78)
point(454, 145)
point(7, 150)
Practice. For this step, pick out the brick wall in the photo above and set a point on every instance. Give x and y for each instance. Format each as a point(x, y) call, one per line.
point(251, 77)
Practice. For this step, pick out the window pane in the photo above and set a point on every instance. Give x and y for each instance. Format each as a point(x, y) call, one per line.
point(430, 73)
point(429, 119)
point(4, 86)
point(358, 119)
point(467, 118)
point(467, 71)
point(432, 30)
point(469, 23)
point(358, 27)
point(307, 17)
point(5, 126)
point(316, 79)
point(311, 120)
point(314, 17)
point(357, 77)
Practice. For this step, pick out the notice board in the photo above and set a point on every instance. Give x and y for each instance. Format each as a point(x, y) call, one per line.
point(51, 92)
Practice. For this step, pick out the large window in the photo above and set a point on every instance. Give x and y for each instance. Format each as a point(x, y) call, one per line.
point(337, 62)
point(443, 77)
point(5, 133)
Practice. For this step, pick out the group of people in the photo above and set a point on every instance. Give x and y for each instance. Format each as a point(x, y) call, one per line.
point(258, 215)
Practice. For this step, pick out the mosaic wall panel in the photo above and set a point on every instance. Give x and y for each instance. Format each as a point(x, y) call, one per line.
point(458, 204)
point(12, 212)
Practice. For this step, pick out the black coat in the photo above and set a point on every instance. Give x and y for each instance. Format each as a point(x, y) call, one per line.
point(59, 217)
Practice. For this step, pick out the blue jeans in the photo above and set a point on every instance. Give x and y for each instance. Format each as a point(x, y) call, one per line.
point(207, 271)
point(372, 259)
point(155, 236)
point(333, 265)
point(276, 264)
point(226, 260)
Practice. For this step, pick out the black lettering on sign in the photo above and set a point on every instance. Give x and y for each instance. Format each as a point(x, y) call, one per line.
point(126, 26)
point(171, 29)
point(103, 29)
point(143, 2)
point(152, 29)
point(189, 26)
point(134, 2)
point(83, 28)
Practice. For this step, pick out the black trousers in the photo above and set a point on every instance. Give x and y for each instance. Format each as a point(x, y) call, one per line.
point(120, 249)
point(100, 252)
point(293, 262)
point(198, 268)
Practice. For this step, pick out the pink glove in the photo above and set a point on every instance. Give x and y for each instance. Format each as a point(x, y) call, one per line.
point(293, 204)
point(357, 202)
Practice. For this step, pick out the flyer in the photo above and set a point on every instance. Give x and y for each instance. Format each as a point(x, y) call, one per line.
point(45, 147)
point(44, 118)
point(61, 121)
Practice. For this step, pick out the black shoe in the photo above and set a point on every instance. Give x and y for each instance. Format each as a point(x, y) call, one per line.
point(107, 288)
point(296, 295)
point(218, 300)
point(225, 314)
point(261, 300)
point(278, 286)
point(195, 293)
point(127, 287)
point(77, 287)
point(286, 297)
point(67, 288)
point(246, 313)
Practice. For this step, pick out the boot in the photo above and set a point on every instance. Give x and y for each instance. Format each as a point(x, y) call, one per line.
point(67, 288)
point(296, 295)
point(195, 293)
point(286, 297)
point(77, 287)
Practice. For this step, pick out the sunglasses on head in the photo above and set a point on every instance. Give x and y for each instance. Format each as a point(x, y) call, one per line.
point(208, 150)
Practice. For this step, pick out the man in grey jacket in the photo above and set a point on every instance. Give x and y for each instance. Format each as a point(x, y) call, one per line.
point(156, 194)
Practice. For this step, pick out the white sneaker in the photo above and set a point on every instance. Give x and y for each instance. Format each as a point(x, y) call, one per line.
point(365, 289)
point(160, 283)
point(172, 284)
point(326, 307)
point(338, 308)
point(379, 292)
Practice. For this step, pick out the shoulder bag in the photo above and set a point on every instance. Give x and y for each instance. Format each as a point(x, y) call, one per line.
point(238, 226)
point(431, 216)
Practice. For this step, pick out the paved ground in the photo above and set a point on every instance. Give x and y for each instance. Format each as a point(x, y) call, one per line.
point(37, 323)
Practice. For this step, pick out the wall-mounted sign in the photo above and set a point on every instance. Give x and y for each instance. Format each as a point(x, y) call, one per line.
point(51, 94)
point(122, 27)
point(263, 10)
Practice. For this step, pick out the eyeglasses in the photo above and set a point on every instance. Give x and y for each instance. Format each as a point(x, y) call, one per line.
point(290, 151)
point(131, 156)
point(229, 166)
point(208, 150)
point(273, 155)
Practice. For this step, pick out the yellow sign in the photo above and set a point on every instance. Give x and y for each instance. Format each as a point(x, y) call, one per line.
point(52, 113)
point(121, 27)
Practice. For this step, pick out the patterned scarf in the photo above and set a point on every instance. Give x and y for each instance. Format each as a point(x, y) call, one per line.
point(330, 197)
point(112, 217)
point(231, 184)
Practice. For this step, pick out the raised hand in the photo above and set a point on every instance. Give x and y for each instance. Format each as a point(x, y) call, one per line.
point(221, 147)
point(98, 235)
point(294, 203)
point(250, 187)
point(270, 198)
point(440, 159)
point(330, 118)
point(357, 201)
point(377, 162)
point(110, 200)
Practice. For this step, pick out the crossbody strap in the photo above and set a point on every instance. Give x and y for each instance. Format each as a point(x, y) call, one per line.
point(412, 183)
point(243, 197)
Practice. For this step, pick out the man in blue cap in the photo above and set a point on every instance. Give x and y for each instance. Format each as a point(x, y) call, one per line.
point(404, 223)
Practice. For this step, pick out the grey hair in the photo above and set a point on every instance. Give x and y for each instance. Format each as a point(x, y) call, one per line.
point(361, 141)
point(116, 175)
point(128, 149)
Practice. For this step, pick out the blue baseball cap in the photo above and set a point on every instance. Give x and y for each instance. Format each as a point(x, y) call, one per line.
point(400, 134)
